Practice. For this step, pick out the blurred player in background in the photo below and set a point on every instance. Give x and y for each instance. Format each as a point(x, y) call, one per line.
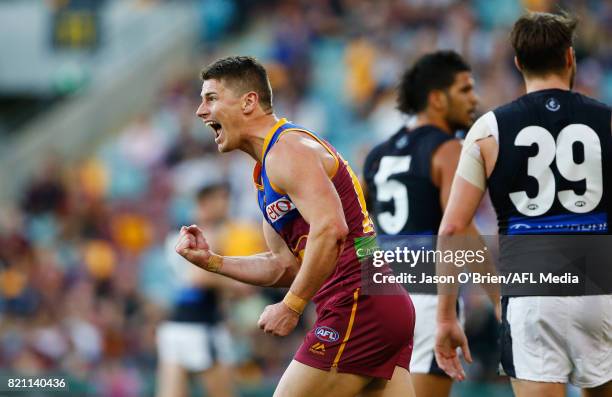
point(408, 179)
point(314, 211)
point(195, 339)
point(563, 187)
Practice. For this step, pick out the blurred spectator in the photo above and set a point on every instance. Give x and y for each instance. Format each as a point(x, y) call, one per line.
point(195, 340)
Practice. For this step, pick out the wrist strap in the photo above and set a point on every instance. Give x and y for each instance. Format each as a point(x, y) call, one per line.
point(214, 263)
point(294, 302)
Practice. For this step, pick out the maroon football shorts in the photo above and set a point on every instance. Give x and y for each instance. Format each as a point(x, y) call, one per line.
point(361, 334)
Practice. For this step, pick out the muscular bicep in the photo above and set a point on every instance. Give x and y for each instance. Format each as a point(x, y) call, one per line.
point(463, 202)
point(299, 170)
point(316, 198)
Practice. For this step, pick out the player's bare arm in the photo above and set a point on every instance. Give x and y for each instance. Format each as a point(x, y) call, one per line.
point(212, 280)
point(315, 197)
point(216, 281)
point(444, 167)
point(462, 205)
point(313, 194)
point(275, 268)
point(317, 200)
point(463, 201)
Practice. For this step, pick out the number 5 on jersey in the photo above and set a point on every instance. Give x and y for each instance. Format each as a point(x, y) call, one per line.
point(390, 189)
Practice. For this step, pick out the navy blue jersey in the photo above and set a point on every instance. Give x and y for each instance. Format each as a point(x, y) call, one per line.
point(196, 305)
point(553, 174)
point(191, 303)
point(401, 194)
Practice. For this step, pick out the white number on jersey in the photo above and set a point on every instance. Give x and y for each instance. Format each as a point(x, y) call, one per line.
point(389, 189)
point(590, 170)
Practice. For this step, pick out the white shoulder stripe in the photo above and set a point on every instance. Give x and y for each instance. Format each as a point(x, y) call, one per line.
point(491, 122)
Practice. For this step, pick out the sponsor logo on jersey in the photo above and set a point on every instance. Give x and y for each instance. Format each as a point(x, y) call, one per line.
point(326, 334)
point(279, 208)
point(318, 348)
point(552, 104)
point(518, 226)
point(592, 223)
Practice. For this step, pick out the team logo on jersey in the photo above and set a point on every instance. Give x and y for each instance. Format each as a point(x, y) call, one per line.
point(318, 348)
point(402, 142)
point(552, 104)
point(279, 208)
point(326, 334)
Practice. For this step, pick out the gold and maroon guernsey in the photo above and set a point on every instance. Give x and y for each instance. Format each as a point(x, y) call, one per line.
point(283, 216)
point(362, 334)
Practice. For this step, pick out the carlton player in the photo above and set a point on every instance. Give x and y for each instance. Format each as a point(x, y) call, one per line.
point(547, 160)
point(408, 179)
point(313, 211)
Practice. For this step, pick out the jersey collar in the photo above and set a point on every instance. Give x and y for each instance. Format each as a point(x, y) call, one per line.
point(270, 134)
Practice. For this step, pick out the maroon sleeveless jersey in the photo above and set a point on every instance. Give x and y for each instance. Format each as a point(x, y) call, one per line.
point(283, 216)
point(356, 333)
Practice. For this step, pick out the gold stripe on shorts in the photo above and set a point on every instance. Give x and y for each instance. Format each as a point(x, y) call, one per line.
point(349, 329)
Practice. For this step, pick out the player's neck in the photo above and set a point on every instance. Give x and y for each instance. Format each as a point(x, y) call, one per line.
point(255, 134)
point(424, 119)
point(533, 84)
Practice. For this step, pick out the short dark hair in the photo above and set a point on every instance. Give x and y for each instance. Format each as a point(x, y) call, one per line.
point(540, 41)
point(434, 71)
point(207, 190)
point(244, 74)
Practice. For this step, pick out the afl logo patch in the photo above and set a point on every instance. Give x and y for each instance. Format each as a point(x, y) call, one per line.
point(552, 104)
point(279, 208)
point(580, 203)
point(326, 334)
point(532, 207)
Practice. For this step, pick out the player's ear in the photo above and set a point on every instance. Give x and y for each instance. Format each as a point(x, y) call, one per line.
point(437, 99)
point(570, 57)
point(517, 64)
point(250, 101)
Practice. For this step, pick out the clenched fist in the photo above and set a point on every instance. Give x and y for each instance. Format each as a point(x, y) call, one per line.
point(192, 246)
point(278, 319)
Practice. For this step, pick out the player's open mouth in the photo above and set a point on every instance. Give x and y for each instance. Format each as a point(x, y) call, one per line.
point(216, 127)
